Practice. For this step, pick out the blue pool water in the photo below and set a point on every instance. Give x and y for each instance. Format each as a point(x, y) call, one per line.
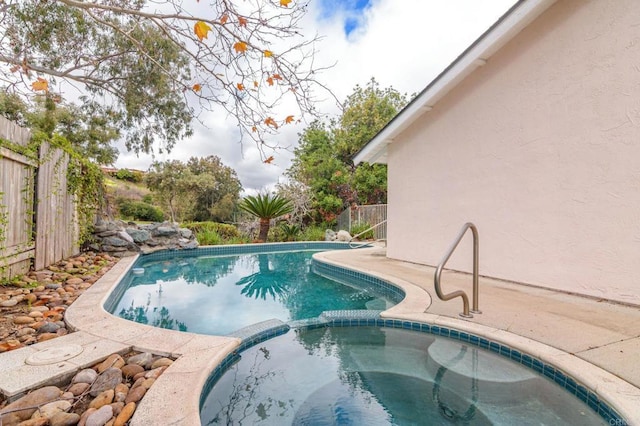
point(219, 294)
point(383, 376)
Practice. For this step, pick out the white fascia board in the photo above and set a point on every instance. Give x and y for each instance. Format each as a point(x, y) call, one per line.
point(510, 24)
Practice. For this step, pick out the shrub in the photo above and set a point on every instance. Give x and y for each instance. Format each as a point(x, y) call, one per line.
point(356, 229)
point(134, 176)
point(139, 210)
point(213, 233)
point(290, 232)
point(148, 198)
point(313, 233)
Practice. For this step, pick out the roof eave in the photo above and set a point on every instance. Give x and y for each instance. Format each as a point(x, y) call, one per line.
point(504, 29)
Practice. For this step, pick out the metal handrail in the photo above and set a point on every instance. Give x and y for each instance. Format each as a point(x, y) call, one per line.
point(459, 293)
point(364, 232)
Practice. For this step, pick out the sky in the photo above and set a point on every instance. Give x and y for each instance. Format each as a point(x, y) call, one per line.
point(402, 44)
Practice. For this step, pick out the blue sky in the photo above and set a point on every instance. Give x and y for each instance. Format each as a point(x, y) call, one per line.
point(351, 12)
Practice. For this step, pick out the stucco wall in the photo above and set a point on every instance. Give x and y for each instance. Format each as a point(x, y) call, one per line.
point(540, 148)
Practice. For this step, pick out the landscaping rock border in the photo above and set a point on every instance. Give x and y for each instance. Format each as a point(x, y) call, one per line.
point(120, 239)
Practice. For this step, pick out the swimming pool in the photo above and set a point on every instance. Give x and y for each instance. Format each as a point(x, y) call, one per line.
point(218, 291)
point(386, 375)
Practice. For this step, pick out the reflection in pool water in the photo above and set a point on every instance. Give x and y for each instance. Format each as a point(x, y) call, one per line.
point(383, 376)
point(221, 294)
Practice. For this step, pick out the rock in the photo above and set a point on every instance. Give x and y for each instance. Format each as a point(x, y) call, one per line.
point(36, 398)
point(46, 336)
point(155, 373)
point(88, 375)
point(117, 407)
point(25, 331)
point(52, 286)
point(107, 380)
point(49, 327)
point(40, 421)
point(131, 370)
point(35, 314)
point(139, 235)
point(185, 233)
point(142, 359)
point(9, 303)
point(329, 235)
point(135, 394)
point(64, 419)
point(100, 417)
point(114, 360)
point(121, 396)
point(125, 236)
point(85, 415)
point(148, 383)
point(23, 319)
point(48, 410)
point(165, 231)
point(75, 281)
point(343, 236)
point(9, 345)
point(115, 242)
point(79, 388)
point(125, 414)
point(103, 398)
point(161, 362)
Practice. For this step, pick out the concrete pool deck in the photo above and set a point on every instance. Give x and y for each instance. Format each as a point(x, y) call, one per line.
point(596, 342)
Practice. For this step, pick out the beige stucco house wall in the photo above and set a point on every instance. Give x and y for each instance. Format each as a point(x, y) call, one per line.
point(537, 143)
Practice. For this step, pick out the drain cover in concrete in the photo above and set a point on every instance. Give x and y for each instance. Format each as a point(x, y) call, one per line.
point(53, 355)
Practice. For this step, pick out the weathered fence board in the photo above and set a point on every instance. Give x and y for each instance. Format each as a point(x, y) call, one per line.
point(56, 225)
point(33, 200)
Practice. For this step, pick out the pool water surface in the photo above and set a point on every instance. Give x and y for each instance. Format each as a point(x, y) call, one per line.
point(383, 376)
point(219, 294)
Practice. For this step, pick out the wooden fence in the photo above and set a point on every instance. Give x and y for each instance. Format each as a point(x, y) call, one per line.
point(38, 223)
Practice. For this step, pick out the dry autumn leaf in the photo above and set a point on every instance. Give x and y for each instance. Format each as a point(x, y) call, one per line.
point(240, 47)
point(197, 87)
point(201, 29)
point(285, 3)
point(268, 53)
point(224, 19)
point(242, 21)
point(240, 86)
point(255, 83)
point(271, 122)
point(40, 84)
point(254, 129)
point(270, 81)
point(269, 160)
point(289, 119)
point(276, 77)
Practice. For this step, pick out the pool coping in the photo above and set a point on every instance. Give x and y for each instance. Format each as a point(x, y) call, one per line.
point(175, 396)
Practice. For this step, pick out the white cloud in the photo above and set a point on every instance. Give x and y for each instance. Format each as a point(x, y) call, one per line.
point(404, 44)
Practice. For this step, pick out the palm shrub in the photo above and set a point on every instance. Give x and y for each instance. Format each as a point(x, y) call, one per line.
point(265, 207)
point(290, 231)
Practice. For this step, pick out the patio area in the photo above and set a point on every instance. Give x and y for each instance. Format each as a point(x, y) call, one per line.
point(595, 342)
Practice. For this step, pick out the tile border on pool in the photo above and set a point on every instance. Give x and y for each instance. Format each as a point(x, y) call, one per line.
point(232, 249)
point(364, 318)
point(342, 274)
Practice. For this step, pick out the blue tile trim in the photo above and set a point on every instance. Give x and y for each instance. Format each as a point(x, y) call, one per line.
point(350, 319)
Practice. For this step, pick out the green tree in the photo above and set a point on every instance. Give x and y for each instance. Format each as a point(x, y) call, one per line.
point(203, 189)
point(169, 181)
point(88, 130)
point(265, 207)
point(323, 159)
point(154, 66)
point(215, 188)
